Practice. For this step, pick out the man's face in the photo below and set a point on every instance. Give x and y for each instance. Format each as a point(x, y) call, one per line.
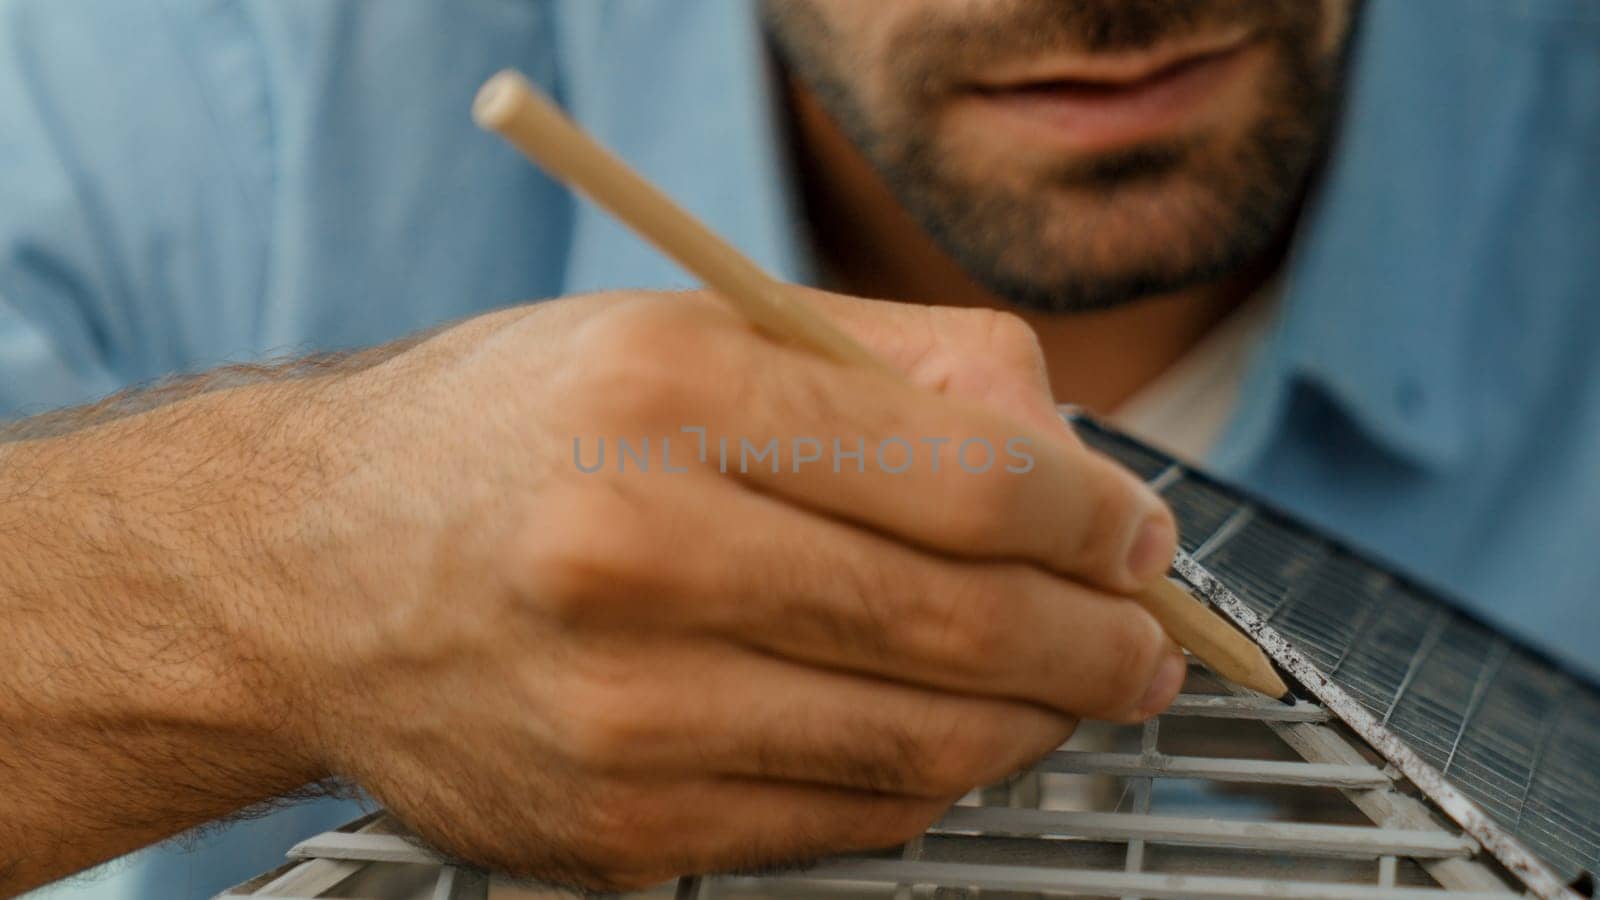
point(1077, 154)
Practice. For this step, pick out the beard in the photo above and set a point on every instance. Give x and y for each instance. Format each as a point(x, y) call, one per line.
point(1095, 231)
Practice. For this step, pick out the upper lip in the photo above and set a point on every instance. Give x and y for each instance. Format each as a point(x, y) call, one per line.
point(1112, 69)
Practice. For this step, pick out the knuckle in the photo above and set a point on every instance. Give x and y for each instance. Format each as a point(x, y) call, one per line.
point(1033, 735)
point(997, 743)
point(606, 723)
point(980, 506)
point(949, 758)
point(632, 372)
point(961, 621)
point(581, 554)
point(602, 844)
point(1109, 504)
point(960, 766)
point(635, 325)
point(868, 620)
point(562, 581)
point(619, 827)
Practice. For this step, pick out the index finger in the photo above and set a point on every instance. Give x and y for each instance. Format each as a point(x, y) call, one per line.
point(989, 357)
point(945, 474)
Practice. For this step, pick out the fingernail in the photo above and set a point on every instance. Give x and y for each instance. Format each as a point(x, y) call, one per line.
point(1150, 553)
point(1167, 683)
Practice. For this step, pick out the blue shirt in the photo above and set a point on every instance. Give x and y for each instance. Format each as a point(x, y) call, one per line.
point(185, 182)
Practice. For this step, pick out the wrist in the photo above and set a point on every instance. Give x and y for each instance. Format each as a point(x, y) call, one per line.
point(135, 547)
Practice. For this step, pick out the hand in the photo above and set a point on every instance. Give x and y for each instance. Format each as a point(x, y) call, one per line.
point(606, 679)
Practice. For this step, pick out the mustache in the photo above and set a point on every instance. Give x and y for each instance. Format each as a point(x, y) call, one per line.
point(944, 53)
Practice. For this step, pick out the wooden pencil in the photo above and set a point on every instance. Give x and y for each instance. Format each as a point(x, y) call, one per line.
point(516, 110)
point(1212, 639)
point(519, 112)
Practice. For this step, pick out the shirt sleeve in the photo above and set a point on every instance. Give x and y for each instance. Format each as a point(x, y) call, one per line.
point(50, 263)
point(185, 183)
point(135, 173)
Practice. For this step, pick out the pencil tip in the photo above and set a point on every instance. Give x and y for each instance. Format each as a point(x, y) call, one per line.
point(1287, 699)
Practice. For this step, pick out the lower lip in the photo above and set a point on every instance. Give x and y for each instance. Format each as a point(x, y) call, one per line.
point(1089, 119)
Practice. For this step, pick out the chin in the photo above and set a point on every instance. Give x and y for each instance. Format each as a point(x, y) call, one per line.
point(1152, 236)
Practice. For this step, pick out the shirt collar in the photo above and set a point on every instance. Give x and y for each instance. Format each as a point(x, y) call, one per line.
point(1382, 280)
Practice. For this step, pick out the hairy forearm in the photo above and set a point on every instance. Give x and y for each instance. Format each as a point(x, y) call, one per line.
point(134, 699)
point(145, 398)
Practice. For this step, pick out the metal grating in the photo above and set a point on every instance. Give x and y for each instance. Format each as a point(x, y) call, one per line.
point(1514, 733)
point(1387, 847)
point(1461, 715)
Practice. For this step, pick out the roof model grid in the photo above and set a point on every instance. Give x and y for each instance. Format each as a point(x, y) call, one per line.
point(1439, 760)
point(1500, 727)
point(1385, 845)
